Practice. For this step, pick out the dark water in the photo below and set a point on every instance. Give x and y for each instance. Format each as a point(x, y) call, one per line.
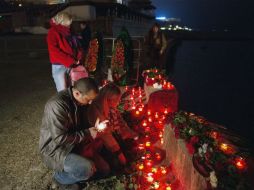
point(215, 79)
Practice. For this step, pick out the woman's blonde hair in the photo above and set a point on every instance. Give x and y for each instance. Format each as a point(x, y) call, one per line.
point(62, 18)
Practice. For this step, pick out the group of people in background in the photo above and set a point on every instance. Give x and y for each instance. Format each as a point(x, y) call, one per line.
point(81, 121)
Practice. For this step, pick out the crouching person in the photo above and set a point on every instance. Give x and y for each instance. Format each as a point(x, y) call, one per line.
point(61, 132)
point(104, 107)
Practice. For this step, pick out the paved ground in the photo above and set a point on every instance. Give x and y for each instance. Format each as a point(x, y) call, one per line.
point(25, 87)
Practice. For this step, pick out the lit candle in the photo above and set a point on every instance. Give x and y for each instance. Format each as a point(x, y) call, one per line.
point(101, 126)
point(240, 163)
point(148, 155)
point(157, 156)
point(149, 178)
point(169, 85)
point(162, 141)
point(141, 166)
point(150, 119)
point(148, 112)
point(148, 144)
point(154, 170)
point(166, 111)
point(156, 115)
point(140, 109)
point(144, 123)
point(147, 129)
point(141, 146)
point(137, 112)
point(214, 135)
point(149, 163)
point(163, 170)
point(156, 185)
point(226, 148)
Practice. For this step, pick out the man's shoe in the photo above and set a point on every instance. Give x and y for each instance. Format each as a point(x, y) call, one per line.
point(56, 185)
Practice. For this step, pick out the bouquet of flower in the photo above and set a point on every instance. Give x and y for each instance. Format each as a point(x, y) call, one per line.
point(153, 76)
point(213, 156)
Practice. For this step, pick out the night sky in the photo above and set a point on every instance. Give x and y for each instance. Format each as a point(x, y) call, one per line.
point(210, 14)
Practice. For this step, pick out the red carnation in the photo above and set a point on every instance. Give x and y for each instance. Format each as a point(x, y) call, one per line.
point(194, 140)
point(190, 148)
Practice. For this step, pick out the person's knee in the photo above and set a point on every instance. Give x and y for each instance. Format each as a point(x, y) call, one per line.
point(105, 170)
point(85, 170)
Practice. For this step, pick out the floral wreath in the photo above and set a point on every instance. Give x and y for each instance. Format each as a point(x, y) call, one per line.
point(94, 55)
point(121, 58)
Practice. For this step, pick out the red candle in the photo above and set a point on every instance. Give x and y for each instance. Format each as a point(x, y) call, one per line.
point(148, 155)
point(226, 148)
point(141, 147)
point(162, 141)
point(157, 156)
point(163, 170)
point(147, 129)
point(148, 144)
point(156, 185)
point(141, 166)
point(240, 163)
point(150, 177)
point(149, 163)
point(214, 135)
point(144, 123)
point(154, 170)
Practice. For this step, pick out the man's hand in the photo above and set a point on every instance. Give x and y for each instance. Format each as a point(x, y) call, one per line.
point(77, 62)
point(100, 126)
point(93, 132)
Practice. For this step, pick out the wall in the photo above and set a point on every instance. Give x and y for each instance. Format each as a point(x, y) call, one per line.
point(84, 12)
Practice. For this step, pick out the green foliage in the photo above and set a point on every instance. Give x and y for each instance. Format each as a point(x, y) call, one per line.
point(180, 118)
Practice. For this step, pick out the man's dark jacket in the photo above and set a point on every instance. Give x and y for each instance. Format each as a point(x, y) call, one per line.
point(61, 129)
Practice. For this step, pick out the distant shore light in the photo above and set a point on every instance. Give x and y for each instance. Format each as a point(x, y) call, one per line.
point(161, 18)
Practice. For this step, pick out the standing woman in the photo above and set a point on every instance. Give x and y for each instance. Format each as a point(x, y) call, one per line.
point(156, 46)
point(64, 51)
